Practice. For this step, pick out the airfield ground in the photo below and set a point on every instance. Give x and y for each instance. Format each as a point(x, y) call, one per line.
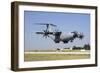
point(45, 56)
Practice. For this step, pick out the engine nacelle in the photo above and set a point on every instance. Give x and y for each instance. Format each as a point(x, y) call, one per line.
point(57, 37)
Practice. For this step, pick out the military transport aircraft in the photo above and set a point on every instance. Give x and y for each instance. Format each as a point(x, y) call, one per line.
point(59, 36)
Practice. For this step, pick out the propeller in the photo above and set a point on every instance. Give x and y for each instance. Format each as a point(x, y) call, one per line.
point(75, 34)
point(47, 24)
point(45, 32)
point(81, 36)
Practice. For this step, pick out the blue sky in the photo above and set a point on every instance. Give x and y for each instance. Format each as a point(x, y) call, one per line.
point(66, 22)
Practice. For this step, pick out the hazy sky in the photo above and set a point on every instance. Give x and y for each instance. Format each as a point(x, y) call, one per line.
point(66, 22)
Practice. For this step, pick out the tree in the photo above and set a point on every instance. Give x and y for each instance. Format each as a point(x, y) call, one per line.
point(77, 48)
point(87, 47)
point(74, 47)
point(66, 48)
point(58, 49)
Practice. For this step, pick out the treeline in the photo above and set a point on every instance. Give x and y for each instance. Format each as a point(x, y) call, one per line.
point(85, 47)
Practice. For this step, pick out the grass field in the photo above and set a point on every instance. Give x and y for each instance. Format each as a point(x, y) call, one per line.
point(53, 50)
point(45, 57)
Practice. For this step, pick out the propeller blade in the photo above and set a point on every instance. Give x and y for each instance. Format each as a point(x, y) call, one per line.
point(81, 36)
point(51, 32)
point(39, 32)
point(45, 36)
point(42, 23)
point(53, 25)
point(46, 24)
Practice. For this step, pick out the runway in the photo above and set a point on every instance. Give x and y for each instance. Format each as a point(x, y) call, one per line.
point(57, 52)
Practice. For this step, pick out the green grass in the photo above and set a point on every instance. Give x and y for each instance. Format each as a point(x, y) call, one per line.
point(65, 50)
point(45, 57)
